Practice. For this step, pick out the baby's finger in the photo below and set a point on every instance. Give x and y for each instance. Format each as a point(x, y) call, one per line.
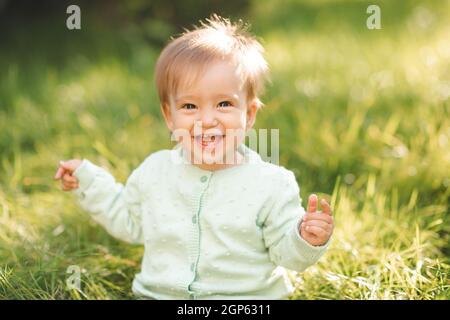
point(317, 231)
point(59, 173)
point(318, 216)
point(303, 228)
point(70, 185)
point(68, 178)
point(312, 203)
point(325, 207)
point(70, 165)
point(66, 187)
point(318, 223)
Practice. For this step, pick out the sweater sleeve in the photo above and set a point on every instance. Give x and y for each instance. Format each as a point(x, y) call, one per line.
point(114, 206)
point(281, 228)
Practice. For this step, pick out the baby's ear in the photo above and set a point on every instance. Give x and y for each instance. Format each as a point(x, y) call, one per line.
point(165, 109)
point(252, 109)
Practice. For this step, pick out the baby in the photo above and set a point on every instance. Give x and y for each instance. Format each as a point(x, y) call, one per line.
point(217, 221)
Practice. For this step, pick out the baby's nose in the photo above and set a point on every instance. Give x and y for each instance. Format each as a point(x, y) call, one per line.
point(208, 119)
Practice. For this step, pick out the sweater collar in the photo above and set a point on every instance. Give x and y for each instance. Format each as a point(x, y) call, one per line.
point(178, 158)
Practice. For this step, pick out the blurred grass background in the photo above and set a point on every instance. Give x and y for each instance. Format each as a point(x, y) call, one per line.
point(363, 118)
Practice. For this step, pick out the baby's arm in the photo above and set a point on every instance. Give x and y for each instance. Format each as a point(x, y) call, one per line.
point(115, 206)
point(280, 229)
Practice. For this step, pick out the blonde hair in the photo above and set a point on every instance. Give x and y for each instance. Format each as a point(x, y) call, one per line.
point(214, 40)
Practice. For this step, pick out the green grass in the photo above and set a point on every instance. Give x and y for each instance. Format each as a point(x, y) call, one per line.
point(364, 119)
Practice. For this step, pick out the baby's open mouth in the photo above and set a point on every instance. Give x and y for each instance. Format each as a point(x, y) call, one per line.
point(208, 141)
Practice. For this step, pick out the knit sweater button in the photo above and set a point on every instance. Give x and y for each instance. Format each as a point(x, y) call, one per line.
point(194, 219)
point(203, 178)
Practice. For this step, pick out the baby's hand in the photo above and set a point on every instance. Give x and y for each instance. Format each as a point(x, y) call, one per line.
point(317, 226)
point(65, 170)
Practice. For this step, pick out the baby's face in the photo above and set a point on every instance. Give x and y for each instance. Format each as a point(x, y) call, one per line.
point(210, 116)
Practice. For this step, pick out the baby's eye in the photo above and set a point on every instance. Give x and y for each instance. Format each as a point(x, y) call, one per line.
point(225, 104)
point(188, 106)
